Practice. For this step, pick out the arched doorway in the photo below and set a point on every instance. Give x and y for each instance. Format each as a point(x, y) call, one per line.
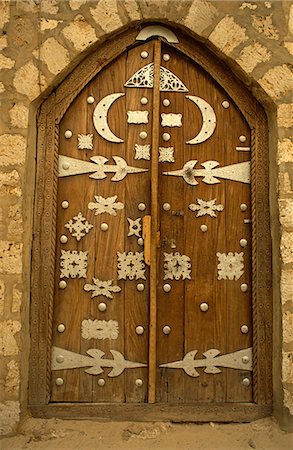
point(156, 287)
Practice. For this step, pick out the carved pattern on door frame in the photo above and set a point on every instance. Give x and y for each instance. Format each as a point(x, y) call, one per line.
point(51, 113)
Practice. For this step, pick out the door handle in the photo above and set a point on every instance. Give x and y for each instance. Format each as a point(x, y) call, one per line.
point(146, 235)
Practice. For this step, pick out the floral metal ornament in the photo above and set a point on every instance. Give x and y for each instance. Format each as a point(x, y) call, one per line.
point(78, 226)
point(99, 329)
point(73, 264)
point(177, 266)
point(166, 154)
point(144, 78)
point(231, 266)
point(106, 205)
point(142, 151)
point(102, 288)
point(130, 265)
point(204, 207)
point(85, 141)
point(134, 227)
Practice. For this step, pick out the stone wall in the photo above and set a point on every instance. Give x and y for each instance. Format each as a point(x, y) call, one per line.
point(42, 41)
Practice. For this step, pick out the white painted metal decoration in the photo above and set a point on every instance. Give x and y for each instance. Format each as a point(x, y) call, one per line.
point(101, 288)
point(78, 226)
point(209, 120)
point(99, 329)
point(134, 227)
point(231, 266)
point(176, 266)
point(144, 78)
point(204, 207)
point(70, 166)
point(142, 151)
point(100, 117)
point(243, 149)
point(157, 30)
point(130, 265)
point(73, 264)
point(171, 120)
point(85, 141)
point(211, 172)
point(166, 154)
point(94, 361)
point(137, 117)
point(212, 361)
point(106, 205)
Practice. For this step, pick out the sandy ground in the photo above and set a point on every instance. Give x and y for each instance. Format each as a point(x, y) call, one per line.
point(90, 435)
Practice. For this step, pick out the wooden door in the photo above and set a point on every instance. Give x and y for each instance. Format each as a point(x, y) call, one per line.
point(152, 299)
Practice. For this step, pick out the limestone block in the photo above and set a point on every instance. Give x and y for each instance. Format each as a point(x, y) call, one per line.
point(285, 115)
point(10, 257)
point(264, 25)
point(287, 367)
point(200, 16)
point(289, 47)
point(49, 6)
point(16, 300)
point(132, 9)
point(12, 149)
point(252, 55)
point(288, 329)
point(48, 24)
point(290, 22)
point(2, 292)
point(286, 212)
point(106, 15)
point(2, 88)
point(285, 185)
point(15, 228)
point(22, 32)
point(48, 51)
point(80, 33)
point(76, 4)
point(28, 81)
point(13, 378)
point(287, 247)
point(8, 344)
point(19, 115)
point(227, 35)
point(6, 63)
point(9, 417)
point(277, 81)
point(248, 5)
point(3, 42)
point(28, 5)
point(288, 400)
point(285, 151)
point(4, 13)
point(10, 183)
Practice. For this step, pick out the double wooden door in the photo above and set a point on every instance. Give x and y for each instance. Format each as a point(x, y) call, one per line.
point(152, 297)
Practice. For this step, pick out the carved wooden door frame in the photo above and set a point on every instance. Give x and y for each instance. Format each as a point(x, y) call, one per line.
point(51, 113)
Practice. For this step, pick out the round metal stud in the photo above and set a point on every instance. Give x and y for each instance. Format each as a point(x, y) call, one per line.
point(68, 134)
point(138, 382)
point(63, 239)
point(144, 54)
point(243, 242)
point(90, 99)
point(166, 137)
point(144, 101)
point(139, 330)
point(143, 135)
point(167, 287)
point(104, 226)
point(245, 359)
point(166, 102)
point(242, 138)
point(59, 381)
point(101, 382)
point(102, 307)
point(244, 329)
point(244, 287)
point(166, 57)
point(140, 287)
point(225, 104)
point(243, 207)
point(166, 206)
point(246, 381)
point(203, 307)
point(204, 228)
point(141, 206)
point(59, 358)
point(61, 327)
point(65, 204)
point(62, 284)
point(166, 329)
point(65, 166)
point(140, 241)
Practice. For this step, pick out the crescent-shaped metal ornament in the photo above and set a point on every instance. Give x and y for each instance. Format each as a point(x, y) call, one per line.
point(208, 120)
point(100, 117)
